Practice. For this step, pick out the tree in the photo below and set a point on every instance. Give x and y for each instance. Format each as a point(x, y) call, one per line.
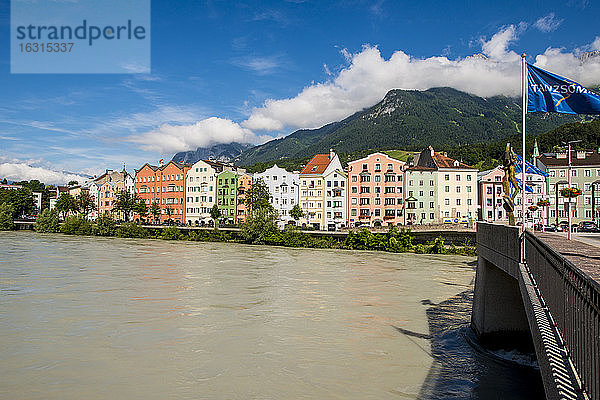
point(21, 200)
point(215, 213)
point(85, 203)
point(47, 222)
point(155, 210)
point(168, 211)
point(65, 203)
point(6, 217)
point(125, 202)
point(141, 208)
point(296, 212)
point(72, 183)
point(257, 196)
point(262, 220)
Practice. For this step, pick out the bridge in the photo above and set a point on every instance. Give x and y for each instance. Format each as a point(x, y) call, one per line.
point(550, 303)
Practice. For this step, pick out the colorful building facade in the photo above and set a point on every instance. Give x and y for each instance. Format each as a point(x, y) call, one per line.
point(244, 183)
point(312, 188)
point(585, 175)
point(376, 195)
point(201, 192)
point(284, 188)
point(164, 185)
point(227, 196)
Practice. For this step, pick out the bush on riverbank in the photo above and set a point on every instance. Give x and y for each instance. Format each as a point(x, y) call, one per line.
point(105, 226)
point(76, 225)
point(6, 217)
point(254, 232)
point(131, 230)
point(47, 222)
point(171, 233)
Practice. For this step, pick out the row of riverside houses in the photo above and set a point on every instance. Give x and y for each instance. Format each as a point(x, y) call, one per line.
point(585, 175)
point(374, 191)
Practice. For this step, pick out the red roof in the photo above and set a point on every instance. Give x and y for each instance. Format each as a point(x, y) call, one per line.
point(317, 165)
point(443, 161)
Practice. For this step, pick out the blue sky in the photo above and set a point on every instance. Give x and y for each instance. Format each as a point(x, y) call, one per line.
point(249, 71)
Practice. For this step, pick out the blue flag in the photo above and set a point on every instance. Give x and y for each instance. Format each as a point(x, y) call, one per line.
point(553, 93)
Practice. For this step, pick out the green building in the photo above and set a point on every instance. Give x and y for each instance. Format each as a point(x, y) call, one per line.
point(227, 196)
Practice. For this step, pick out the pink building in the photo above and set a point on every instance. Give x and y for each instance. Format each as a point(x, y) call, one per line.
point(376, 195)
point(490, 196)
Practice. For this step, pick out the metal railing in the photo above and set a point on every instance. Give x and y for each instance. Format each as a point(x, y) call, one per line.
point(573, 299)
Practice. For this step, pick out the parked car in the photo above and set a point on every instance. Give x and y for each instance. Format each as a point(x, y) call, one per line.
point(562, 226)
point(548, 228)
point(587, 226)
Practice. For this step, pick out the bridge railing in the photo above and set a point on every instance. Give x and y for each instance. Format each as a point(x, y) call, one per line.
point(573, 299)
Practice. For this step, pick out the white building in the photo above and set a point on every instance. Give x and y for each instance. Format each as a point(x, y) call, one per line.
point(336, 200)
point(284, 188)
point(201, 192)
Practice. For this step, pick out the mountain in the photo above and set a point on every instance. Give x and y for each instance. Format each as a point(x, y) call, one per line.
point(221, 152)
point(411, 120)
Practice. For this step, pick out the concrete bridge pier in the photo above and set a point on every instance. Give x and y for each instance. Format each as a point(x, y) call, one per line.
point(499, 317)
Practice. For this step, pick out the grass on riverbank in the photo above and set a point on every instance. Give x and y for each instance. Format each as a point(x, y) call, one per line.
point(394, 240)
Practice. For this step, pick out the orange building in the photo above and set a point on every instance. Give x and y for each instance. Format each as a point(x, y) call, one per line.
point(164, 185)
point(244, 183)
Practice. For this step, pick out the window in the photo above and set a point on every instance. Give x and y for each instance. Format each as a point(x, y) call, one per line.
point(587, 172)
point(447, 189)
point(469, 178)
point(390, 167)
point(447, 177)
point(431, 204)
point(377, 167)
point(458, 177)
point(354, 178)
point(561, 173)
point(458, 189)
point(447, 202)
point(458, 202)
point(377, 178)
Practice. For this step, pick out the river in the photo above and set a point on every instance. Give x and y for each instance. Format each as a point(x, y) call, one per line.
point(100, 318)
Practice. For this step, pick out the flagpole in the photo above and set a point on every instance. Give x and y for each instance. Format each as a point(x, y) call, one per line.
point(524, 107)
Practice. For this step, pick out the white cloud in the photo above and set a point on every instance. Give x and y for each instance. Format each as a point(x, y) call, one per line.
point(169, 138)
point(17, 171)
point(596, 44)
point(260, 65)
point(549, 23)
point(365, 81)
point(369, 76)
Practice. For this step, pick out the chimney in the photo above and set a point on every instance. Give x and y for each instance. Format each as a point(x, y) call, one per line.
point(331, 154)
point(581, 155)
point(561, 155)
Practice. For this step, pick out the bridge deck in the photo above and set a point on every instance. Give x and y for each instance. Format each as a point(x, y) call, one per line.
point(584, 256)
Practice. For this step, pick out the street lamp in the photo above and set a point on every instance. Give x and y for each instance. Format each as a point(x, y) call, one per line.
point(556, 192)
point(569, 177)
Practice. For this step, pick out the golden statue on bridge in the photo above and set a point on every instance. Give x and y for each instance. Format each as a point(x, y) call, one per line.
point(508, 165)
